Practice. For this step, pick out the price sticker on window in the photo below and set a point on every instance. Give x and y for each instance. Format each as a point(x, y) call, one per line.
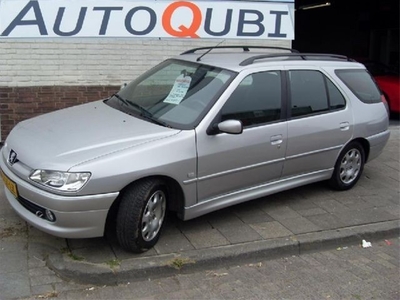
point(179, 90)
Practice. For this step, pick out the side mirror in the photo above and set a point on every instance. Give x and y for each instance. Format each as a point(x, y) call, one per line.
point(230, 127)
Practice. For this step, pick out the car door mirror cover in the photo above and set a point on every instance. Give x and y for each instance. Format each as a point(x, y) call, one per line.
point(230, 127)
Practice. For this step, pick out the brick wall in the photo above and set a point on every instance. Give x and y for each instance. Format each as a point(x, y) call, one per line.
point(20, 103)
point(108, 61)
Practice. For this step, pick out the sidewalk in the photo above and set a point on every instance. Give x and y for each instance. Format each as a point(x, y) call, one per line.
point(305, 219)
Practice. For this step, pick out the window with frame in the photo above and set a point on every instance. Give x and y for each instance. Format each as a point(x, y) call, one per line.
point(256, 100)
point(361, 83)
point(312, 92)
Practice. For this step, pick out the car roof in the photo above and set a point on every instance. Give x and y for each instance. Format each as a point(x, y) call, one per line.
point(239, 58)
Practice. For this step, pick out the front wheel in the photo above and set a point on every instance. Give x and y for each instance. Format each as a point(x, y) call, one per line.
point(141, 215)
point(349, 167)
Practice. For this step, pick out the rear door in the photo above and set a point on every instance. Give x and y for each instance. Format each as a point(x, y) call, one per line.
point(320, 122)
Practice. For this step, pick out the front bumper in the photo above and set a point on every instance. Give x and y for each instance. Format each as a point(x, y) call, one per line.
point(76, 216)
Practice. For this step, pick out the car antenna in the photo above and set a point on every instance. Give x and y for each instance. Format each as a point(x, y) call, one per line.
point(209, 50)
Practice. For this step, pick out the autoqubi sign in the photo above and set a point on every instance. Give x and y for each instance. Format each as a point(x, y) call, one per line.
point(124, 18)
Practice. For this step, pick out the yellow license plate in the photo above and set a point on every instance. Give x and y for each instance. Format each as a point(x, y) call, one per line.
point(10, 185)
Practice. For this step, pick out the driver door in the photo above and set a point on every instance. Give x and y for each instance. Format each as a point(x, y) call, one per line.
point(229, 163)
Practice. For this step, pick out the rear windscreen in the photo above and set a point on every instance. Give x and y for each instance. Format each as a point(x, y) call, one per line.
point(361, 84)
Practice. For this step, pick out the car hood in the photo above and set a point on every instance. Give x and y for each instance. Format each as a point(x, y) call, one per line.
point(68, 137)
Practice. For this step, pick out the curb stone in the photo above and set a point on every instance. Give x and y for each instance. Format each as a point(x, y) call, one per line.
point(136, 269)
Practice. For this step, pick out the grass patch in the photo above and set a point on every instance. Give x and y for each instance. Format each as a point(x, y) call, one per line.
point(178, 262)
point(75, 257)
point(114, 263)
point(68, 252)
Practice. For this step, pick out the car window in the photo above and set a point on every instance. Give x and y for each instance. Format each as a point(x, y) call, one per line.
point(336, 99)
point(312, 92)
point(361, 84)
point(308, 93)
point(256, 100)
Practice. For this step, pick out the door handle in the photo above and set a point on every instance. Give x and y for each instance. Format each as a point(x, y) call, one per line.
point(276, 139)
point(344, 126)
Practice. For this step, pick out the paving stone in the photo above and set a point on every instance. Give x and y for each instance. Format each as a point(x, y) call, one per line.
point(379, 200)
point(95, 254)
point(40, 271)
point(282, 212)
point(83, 243)
point(36, 262)
point(14, 285)
point(44, 279)
point(269, 230)
point(326, 221)
point(357, 217)
point(41, 291)
point(13, 245)
point(225, 219)
point(13, 262)
point(206, 239)
point(194, 225)
point(302, 204)
point(144, 288)
point(172, 243)
point(393, 210)
point(330, 205)
point(253, 215)
point(122, 254)
point(311, 212)
point(299, 225)
point(240, 234)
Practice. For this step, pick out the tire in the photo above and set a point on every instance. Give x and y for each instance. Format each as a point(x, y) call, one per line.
point(141, 215)
point(349, 167)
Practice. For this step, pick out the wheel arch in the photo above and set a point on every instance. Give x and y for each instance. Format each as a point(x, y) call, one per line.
point(175, 203)
point(365, 144)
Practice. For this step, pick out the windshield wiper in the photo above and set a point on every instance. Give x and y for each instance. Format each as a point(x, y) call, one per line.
point(143, 112)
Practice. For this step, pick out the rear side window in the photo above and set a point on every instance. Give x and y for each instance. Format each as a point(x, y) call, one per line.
point(312, 93)
point(361, 84)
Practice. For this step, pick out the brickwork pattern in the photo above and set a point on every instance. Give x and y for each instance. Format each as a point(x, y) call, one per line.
point(21, 103)
point(108, 61)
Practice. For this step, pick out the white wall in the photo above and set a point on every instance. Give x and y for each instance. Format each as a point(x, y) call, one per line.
point(107, 61)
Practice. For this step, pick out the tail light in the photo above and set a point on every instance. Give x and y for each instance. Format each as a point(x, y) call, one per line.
point(386, 103)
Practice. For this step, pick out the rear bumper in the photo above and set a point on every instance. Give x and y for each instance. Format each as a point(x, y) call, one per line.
point(377, 142)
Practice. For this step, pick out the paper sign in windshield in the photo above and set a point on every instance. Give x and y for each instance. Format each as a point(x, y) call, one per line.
point(179, 90)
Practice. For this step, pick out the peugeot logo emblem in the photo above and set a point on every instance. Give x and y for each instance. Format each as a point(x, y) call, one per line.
point(12, 158)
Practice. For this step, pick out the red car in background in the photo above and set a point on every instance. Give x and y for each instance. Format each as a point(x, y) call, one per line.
point(388, 80)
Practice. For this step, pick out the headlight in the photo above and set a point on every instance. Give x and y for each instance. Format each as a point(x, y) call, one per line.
point(62, 181)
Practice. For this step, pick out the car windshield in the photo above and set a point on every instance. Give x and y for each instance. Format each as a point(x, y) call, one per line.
point(175, 93)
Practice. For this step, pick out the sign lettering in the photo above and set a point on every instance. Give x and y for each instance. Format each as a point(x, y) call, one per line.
point(164, 19)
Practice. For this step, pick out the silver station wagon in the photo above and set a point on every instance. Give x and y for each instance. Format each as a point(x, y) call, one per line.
point(208, 129)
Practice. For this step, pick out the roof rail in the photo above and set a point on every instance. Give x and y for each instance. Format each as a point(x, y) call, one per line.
point(302, 56)
point(245, 48)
